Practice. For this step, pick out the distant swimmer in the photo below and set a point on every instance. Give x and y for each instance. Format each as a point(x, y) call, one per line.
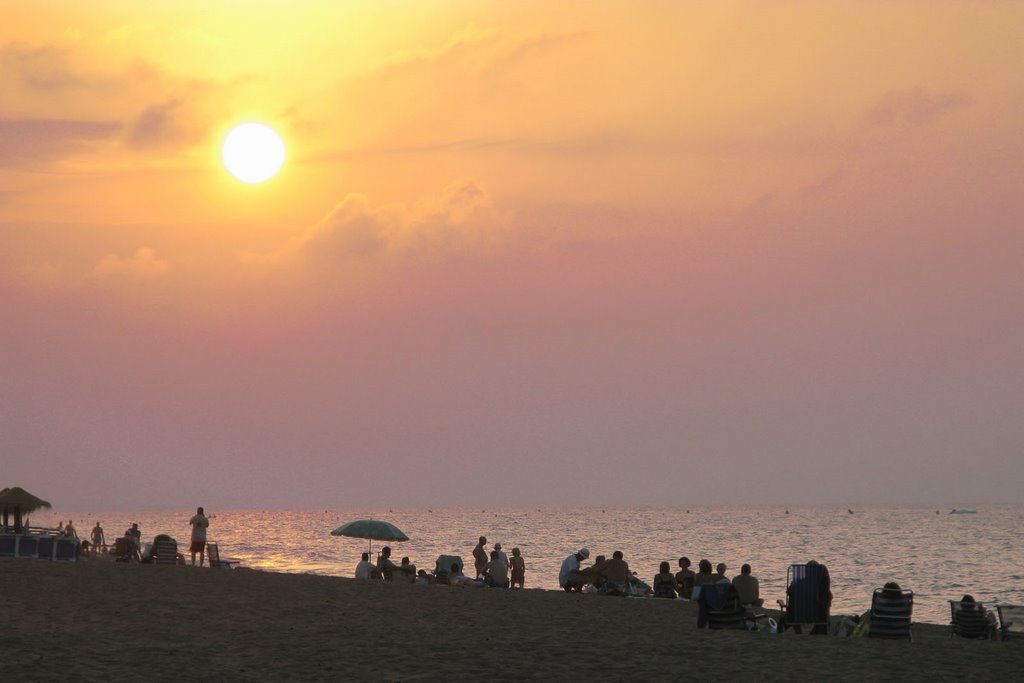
point(849, 510)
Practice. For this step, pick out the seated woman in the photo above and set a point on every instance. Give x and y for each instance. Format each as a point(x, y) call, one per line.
point(704, 575)
point(972, 620)
point(664, 582)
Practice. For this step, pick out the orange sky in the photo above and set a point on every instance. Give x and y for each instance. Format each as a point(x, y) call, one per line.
point(521, 241)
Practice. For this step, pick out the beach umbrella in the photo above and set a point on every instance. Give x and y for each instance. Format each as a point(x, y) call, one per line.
point(372, 530)
point(20, 502)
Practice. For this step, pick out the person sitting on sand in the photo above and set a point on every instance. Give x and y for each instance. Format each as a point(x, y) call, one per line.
point(496, 571)
point(720, 576)
point(501, 553)
point(684, 578)
point(422, 578)
point(704, 575)
point(665, 582)
point(408, 570)
point(364, 570)
point(385, 567)
point(569, 576)
point(480, 557)
point(518, 568)
point(748, 588)
point(616, 571)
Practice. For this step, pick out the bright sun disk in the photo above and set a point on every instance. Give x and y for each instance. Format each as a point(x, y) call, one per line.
point(253, 152)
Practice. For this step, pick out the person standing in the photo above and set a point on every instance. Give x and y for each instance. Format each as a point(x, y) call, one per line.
point(518, 568)
point(199, 524)
point(480, 557)
point(98, 539)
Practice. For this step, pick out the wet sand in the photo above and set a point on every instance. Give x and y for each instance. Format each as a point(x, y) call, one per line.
point(99, 620)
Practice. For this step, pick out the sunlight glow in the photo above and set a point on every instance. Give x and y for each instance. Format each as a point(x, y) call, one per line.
point(253, 152)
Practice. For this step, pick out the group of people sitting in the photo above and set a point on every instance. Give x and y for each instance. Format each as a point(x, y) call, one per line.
point(614, 577)
point(493, 570)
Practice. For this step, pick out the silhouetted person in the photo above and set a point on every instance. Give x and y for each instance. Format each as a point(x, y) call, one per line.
point(199, 524)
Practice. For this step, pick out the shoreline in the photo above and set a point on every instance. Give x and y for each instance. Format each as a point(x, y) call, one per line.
point(97, 620)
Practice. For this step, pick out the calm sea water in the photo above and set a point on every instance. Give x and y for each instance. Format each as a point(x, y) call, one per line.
point(938, 556)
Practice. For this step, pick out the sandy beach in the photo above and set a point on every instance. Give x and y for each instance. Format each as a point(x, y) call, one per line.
point(98, 620)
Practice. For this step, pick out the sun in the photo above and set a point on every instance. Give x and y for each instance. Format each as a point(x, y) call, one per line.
point(253, 152)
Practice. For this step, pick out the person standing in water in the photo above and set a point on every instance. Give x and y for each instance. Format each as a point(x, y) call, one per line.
point(199, 524)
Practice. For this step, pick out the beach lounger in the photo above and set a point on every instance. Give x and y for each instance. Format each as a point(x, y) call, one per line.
point(443, 566)
point(891, 610)
point(1011, 622)
point(165, 551)
point(808, 598)
point(967, 620)
point(216, 561)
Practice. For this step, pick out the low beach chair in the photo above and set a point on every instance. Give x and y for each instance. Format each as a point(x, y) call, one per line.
point(967, 620)
point(719, 608)
point(216, 561)
point(1011, 622)
point(443, 566)
point(808, 598)
point(165, 550)
point(891, 609)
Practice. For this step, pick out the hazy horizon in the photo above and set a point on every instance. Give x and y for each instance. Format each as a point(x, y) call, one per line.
point(519, 254)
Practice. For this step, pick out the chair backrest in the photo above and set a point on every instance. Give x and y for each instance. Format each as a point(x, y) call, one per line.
point(213, 554)
point(807, 593)
point(165, 551)
point(721, 607)
point(967, 619)
point(8, 544)
point(891, 610)
point(1011, 621)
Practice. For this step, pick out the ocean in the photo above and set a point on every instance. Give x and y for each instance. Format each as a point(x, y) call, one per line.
point(940, 556)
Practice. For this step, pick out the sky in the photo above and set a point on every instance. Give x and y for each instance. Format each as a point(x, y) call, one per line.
point(530, 253)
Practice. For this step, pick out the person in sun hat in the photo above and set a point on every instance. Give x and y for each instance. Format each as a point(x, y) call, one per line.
point(570, 578)
point(501, 553)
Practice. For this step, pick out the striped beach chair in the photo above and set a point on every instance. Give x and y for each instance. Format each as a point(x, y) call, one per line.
point(891, 609)
point(967, 620)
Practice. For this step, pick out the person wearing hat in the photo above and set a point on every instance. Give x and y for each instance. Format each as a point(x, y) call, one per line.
point(569, 577)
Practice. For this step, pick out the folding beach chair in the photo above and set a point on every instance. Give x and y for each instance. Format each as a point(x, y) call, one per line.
point(1011, 622)
point(443, 566)
point(890, 614)
point(808, 598)
point(719, 608)
point(165, 550)
point(967, 620)
point(216, 561)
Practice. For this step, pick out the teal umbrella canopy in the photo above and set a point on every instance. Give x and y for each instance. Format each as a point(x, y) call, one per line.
point(372, 530)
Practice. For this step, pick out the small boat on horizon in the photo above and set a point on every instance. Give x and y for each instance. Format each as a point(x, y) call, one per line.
point(962, 511)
